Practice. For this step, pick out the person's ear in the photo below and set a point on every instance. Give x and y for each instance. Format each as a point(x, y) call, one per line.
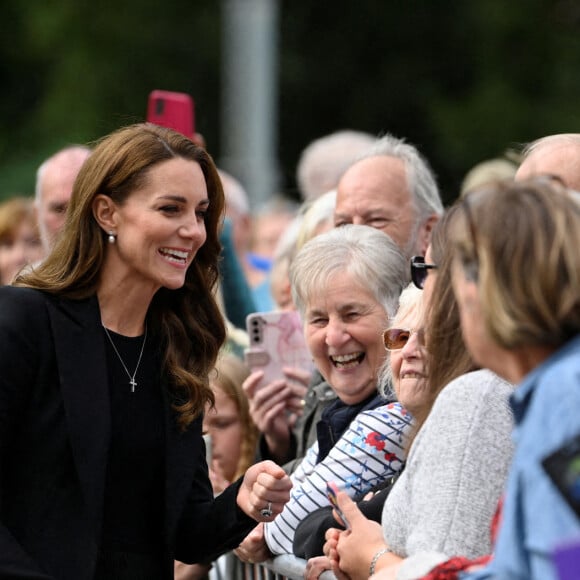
point(105, 212)
point(425, 232)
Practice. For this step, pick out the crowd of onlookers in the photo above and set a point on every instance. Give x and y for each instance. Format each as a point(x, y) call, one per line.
point(445, 393)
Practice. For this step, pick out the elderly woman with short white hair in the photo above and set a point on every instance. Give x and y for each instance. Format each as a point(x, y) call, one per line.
point(346, 284)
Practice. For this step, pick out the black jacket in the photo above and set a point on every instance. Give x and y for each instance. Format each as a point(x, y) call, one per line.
point(54, 438)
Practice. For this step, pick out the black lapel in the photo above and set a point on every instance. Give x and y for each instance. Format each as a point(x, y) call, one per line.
point(80, 354)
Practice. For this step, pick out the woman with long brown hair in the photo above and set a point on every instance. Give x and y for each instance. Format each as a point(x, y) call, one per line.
point(105, 350)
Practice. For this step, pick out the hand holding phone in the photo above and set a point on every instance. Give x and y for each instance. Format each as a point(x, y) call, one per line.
point(332, 491)
point(276, 341)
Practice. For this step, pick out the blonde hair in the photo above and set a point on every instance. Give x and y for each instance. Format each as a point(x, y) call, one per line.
point(231, 372)
point(13, 212)
point(316, 215)
point(519, 242)
point(486, 172)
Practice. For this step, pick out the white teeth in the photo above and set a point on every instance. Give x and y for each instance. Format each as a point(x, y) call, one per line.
point(347, 361)
point(344, 358)
point(177, 255)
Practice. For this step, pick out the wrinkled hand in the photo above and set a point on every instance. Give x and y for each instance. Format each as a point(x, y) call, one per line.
point(329, 549)
point(315, 567)
point(254, 549)
point(275, 407)
point(351, 551)
point(265, 485)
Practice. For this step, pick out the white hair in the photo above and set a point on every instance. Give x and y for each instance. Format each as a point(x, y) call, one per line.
point(420, 177)
point(72, 155)
point(410, 300)
point(325, 159)
point(368, 254)
point(235, 195)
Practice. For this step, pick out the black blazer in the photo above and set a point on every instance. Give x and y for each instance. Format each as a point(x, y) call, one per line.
point(54, 439)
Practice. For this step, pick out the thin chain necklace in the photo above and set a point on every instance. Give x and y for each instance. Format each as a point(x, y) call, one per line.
point(131, 377)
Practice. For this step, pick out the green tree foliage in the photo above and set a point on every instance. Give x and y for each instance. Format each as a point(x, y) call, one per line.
point(462, 80)
point(76, 70)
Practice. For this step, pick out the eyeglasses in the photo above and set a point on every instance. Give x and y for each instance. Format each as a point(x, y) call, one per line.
point(397, 338)
point(419, 271)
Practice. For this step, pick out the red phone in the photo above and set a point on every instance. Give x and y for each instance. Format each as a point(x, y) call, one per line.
point(173, 110)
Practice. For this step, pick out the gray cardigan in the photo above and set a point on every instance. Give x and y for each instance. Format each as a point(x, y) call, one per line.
point(444, 501)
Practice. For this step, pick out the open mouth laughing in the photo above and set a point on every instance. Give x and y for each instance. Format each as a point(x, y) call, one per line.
point(347, 361)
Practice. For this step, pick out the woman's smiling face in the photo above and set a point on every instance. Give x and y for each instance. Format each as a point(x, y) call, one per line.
point(160, 227)
point(343, 325)
point(408, 364)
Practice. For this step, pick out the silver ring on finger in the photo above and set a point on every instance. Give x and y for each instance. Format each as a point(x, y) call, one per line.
point(267, 511)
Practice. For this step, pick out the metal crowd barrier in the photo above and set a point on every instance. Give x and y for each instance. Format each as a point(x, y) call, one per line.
point(289, 567)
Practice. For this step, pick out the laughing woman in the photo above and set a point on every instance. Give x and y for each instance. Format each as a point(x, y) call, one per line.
point(105, 351)
point(346, 284)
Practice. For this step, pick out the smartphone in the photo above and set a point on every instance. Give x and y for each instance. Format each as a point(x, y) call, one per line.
point(563, 468)
point(331, 492)
point(173, 110)
point(276, 341)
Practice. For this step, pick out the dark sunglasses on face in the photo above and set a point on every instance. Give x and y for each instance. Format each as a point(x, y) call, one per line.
point(419, 270)
point(397, 338)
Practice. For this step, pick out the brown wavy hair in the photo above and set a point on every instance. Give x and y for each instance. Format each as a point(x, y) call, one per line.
point(187, 321)
point(448, 357)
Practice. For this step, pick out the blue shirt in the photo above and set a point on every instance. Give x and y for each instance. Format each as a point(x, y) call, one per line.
point(536, 517)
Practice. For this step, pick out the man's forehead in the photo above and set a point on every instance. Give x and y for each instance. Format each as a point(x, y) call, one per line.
point(378, 166)
point(380, 174)
point(366, 210)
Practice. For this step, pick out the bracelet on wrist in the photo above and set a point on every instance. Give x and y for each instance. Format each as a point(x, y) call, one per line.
point(375, 559)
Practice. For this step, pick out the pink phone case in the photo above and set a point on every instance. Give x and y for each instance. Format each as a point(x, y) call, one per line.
point(173, 110)
point(276, 341)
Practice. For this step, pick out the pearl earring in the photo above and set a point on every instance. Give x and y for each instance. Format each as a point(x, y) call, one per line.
point(111, 238)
